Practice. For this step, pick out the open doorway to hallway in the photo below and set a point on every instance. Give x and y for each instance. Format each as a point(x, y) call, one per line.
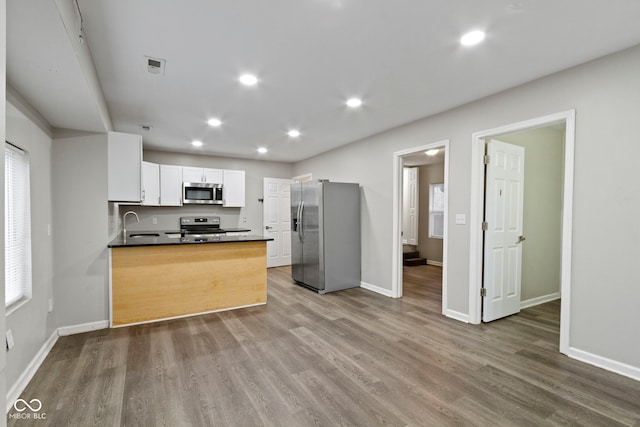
point(420, 212)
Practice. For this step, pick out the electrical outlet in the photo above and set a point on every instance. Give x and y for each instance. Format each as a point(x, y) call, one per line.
point(461, 219)
point(10, 341)
point(154, 220)
point(50, 305)
point(244, 219)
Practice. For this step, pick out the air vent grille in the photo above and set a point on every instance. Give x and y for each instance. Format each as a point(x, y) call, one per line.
point(155, 65)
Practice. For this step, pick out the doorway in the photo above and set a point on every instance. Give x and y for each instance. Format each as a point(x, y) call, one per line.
point(411, 157)
point(276, 217)
point(567, 119)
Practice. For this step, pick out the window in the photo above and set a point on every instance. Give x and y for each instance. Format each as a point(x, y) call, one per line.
point(436, 211)
point(17, 226)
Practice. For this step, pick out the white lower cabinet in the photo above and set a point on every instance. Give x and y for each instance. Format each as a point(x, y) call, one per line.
point(150, 184)
point(233, 188)
point(170, 185)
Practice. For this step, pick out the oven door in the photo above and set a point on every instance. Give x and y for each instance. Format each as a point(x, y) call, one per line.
point(201, 193)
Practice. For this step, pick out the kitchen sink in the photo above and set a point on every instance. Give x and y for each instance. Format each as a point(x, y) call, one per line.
point(135, 235)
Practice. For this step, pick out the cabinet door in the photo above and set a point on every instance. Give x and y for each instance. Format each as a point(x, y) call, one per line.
point(150, 184)
point(124, 167)
point(233, 189)
point(213, 176)
point(190, 174)
point(171, 185)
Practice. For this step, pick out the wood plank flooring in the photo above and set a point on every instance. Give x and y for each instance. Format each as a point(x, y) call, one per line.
point(348, 358)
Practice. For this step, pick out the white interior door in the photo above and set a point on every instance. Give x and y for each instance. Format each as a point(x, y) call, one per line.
point(410, 206)
point(277, 220)
point(503, 235)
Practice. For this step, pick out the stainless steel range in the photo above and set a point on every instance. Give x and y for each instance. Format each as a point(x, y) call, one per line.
point(200, 228)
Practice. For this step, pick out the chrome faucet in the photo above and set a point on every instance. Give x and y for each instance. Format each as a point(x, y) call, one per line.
point(124, 222)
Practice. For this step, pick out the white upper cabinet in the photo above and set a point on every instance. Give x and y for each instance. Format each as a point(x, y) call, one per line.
point(212, 176)
point(171, 178)
point(150, 184)
point(124, 165)
point(233, 188)
point(190, 174)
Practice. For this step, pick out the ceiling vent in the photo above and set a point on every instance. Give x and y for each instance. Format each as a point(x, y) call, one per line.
point(155, 65)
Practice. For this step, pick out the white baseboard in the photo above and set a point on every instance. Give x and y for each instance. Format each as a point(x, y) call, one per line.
point(432, 262)
point(457, 315)
point(539, 300)
point(377, 289)
point(632, 372)
point(84, 327)
point(16, 389)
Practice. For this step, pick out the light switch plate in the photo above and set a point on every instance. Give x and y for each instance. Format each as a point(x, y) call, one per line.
point(461, 219)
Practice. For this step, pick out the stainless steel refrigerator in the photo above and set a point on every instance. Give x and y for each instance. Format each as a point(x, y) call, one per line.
point(325, 235)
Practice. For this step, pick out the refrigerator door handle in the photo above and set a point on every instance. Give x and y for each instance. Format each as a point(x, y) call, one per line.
point(301, 222)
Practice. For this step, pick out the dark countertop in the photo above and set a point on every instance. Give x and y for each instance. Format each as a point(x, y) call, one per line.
point(156, 238)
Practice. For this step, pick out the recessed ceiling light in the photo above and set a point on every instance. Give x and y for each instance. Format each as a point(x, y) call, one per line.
point(471, 38)
point(196, 143)
point(432, 152)
point(262, 150)
point(248, 79)
point(293, 133)
point(213, 122)
point(354, 102)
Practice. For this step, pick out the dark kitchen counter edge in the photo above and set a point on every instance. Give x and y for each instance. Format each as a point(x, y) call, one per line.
point(162, 240)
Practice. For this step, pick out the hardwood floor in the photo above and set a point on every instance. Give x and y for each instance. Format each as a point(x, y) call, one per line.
point(348, 358)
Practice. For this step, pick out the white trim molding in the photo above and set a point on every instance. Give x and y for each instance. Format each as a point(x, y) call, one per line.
point(457, 315)
point(632, 372)
point(477, 208)
point(84, 327)
point(27, 375)
point(436, 263)
point(396, 258)
point(377, 289)
point(531, 302)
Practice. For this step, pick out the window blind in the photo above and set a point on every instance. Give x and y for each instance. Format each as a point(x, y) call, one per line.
point(17, 225)
point(436, 210)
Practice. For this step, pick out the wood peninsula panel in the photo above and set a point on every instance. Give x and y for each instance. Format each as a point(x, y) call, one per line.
point(159, 282)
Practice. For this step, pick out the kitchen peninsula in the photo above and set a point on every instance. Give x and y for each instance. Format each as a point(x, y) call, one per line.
point(163, 275)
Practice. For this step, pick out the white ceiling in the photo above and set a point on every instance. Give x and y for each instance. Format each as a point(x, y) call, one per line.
point(402, 57)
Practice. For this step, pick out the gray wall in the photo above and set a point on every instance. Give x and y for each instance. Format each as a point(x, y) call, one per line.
point(429, 248)
point(541, 252)
point(167, 217)
point(604, 93)
point(80, 229)
point(31, 323)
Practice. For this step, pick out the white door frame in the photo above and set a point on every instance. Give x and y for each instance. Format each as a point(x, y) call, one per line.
point(477, 209)
point(396, 265)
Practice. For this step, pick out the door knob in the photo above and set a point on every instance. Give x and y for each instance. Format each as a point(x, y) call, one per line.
point(521, 239)
point(267, 227)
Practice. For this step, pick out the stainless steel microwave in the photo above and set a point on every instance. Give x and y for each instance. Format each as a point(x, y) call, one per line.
point(201, 193)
